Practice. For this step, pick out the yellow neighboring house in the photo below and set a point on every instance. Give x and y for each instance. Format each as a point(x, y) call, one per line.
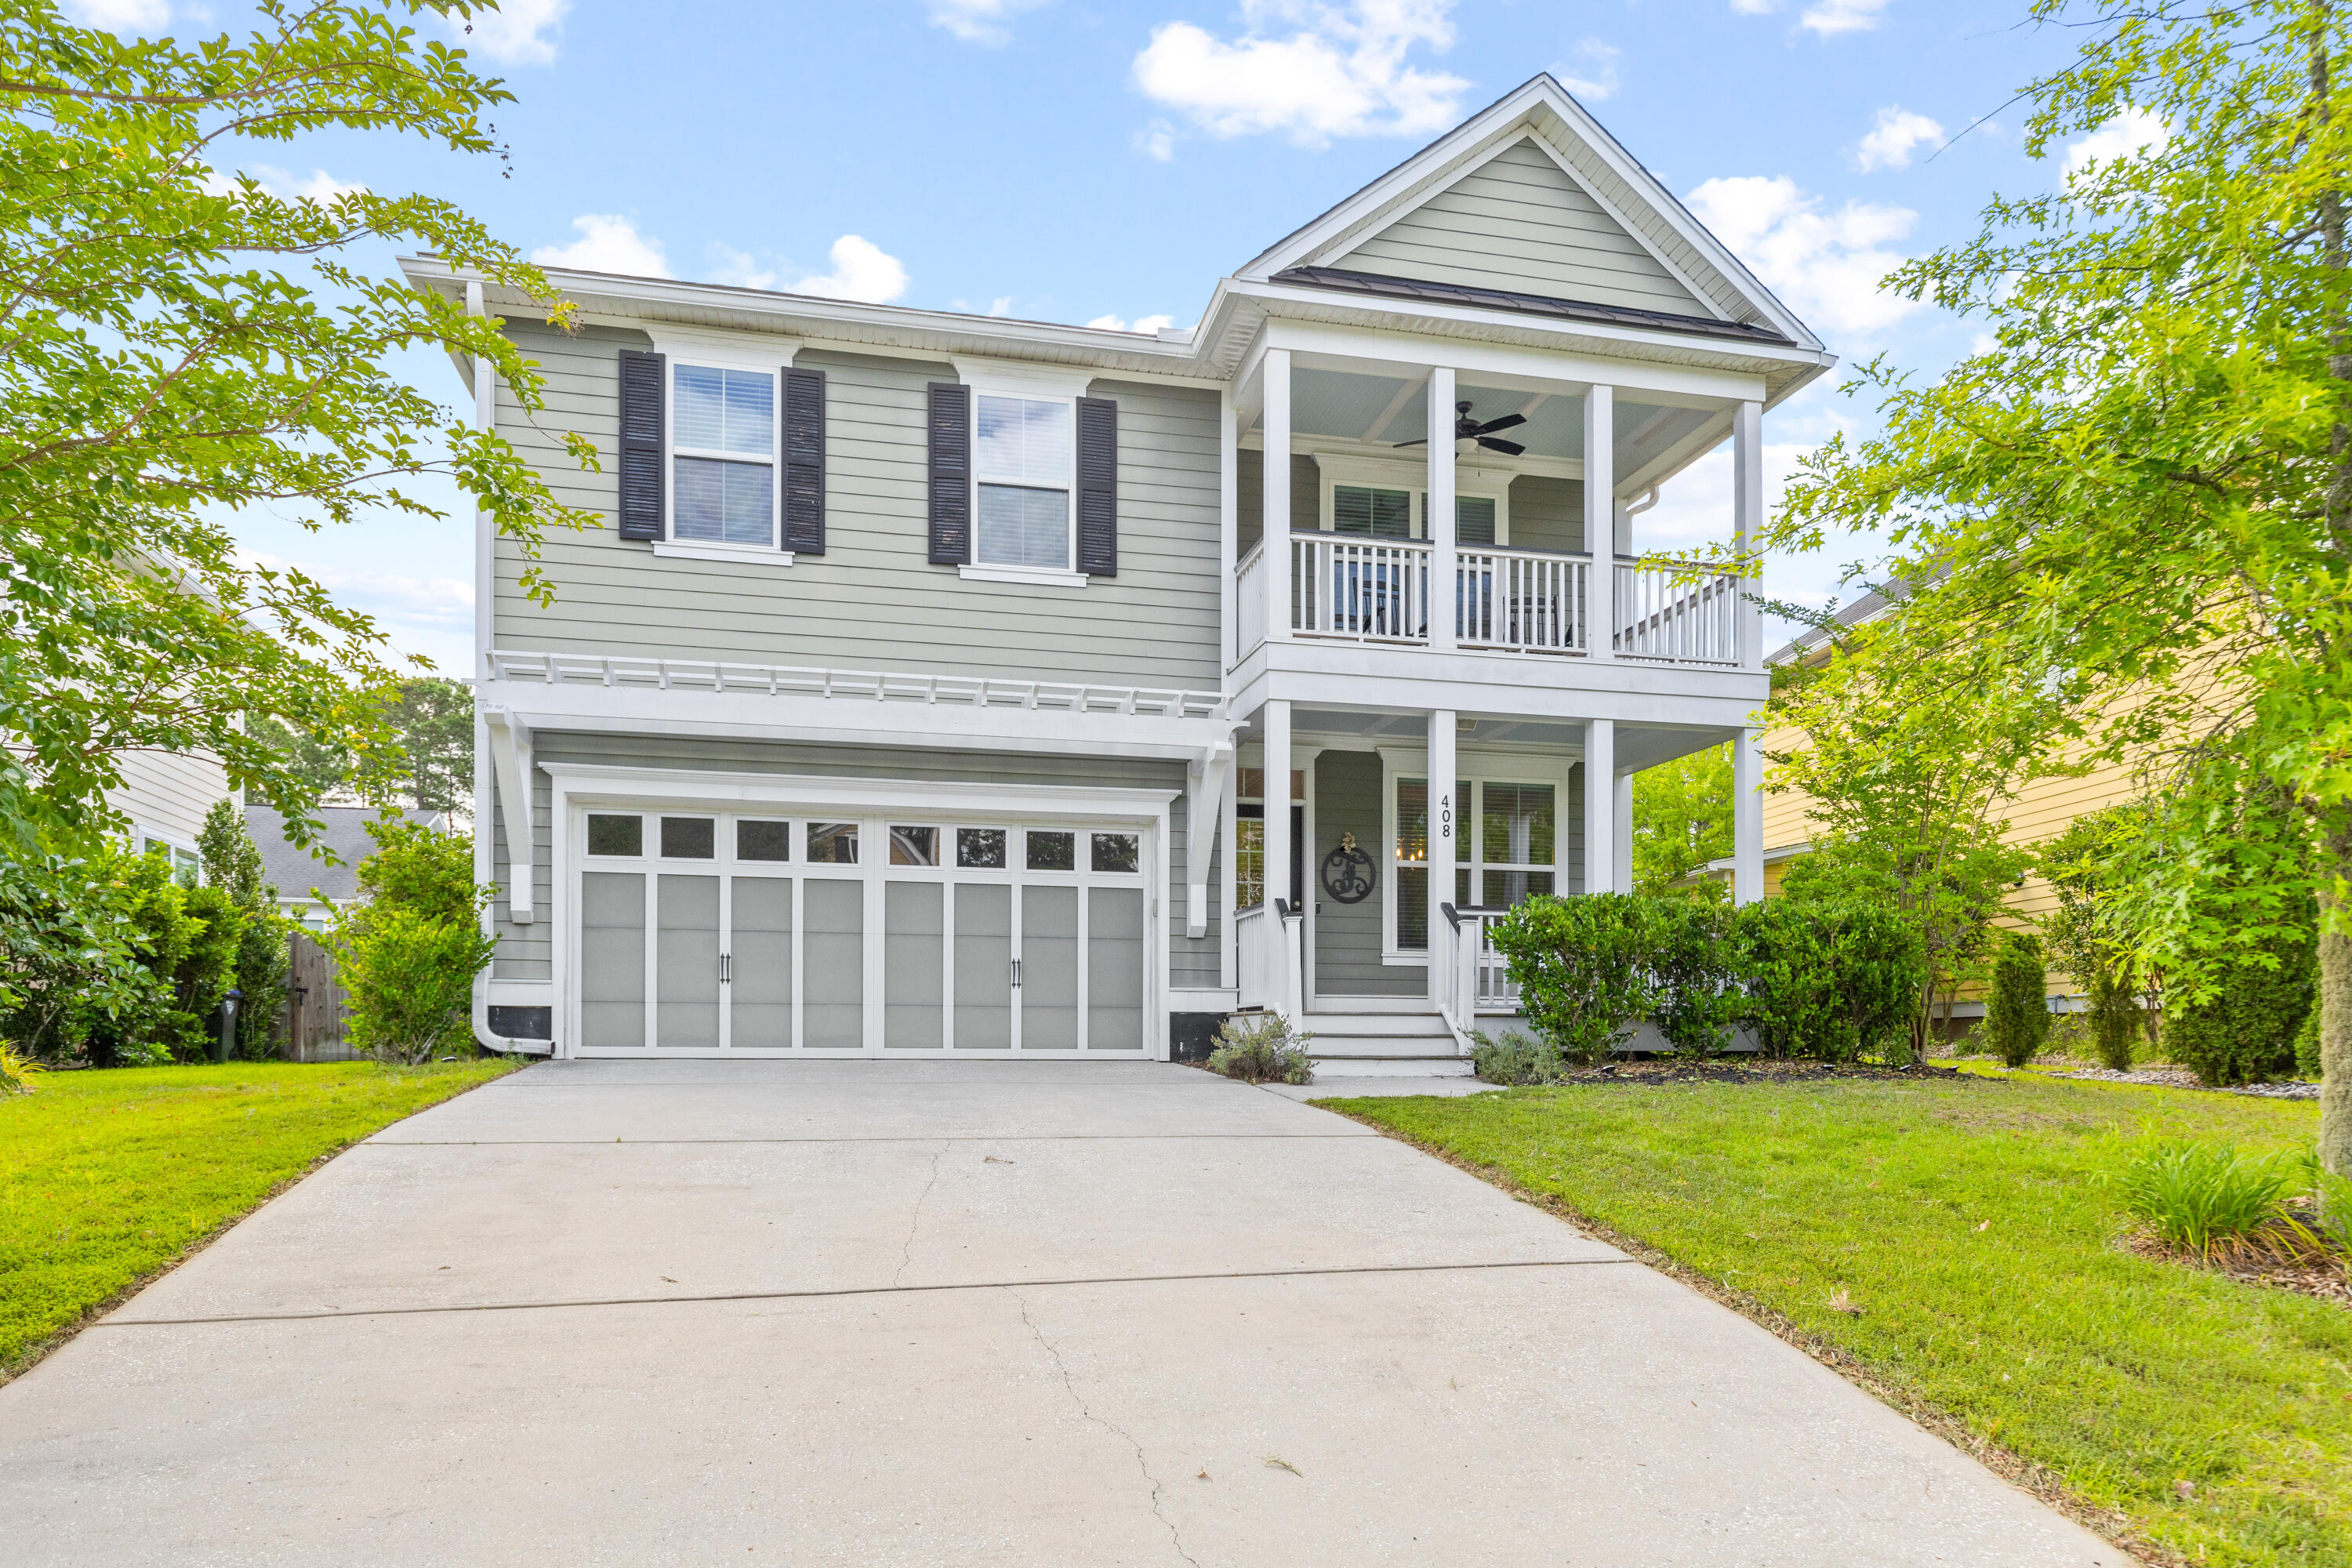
point(2044, 810)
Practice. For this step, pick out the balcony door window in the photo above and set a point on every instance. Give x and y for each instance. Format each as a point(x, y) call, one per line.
point(723, 461)
point(1371, 513)
point(1505, 850)
point(1023, 456)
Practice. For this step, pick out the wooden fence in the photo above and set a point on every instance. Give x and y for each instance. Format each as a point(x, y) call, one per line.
point(315, 1005)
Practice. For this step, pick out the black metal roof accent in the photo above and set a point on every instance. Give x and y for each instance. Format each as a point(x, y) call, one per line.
point(1528, 304)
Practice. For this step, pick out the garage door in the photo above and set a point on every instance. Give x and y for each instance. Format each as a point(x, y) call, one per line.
point(715, 933)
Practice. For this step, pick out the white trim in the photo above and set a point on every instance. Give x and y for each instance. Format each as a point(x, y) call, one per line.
point(594, 783)
point(1035, 576)
point(1479, 766)
point(1022, 378)
point(738, 554)
point(727, 348)
point(716, 359)
point(982, 379)
point(1478, 482)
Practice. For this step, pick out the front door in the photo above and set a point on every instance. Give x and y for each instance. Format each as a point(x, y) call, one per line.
point(704, 933)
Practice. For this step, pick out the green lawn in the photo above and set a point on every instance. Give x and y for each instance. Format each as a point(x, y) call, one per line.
point(1963, 1220)
point(108, 1177)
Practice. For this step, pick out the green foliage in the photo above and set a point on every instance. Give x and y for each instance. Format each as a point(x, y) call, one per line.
point(183, 341)
point(2143, 477)
point(1682, 817)
point(2088, 868)
point(408, 956)
point(16, 1071)
point(2244, 1030)
point(1515, 1059)
point(430, 762)
point(2200, 1197)
point(1261, 1049)
point(231, 863)
point(1581, 968)
point(1830, 980)
point(2017, 1013)
point(1696, 990)
point(186, 939)
point(68, 961)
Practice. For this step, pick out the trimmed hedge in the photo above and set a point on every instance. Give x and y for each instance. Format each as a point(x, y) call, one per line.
point(1828, 980)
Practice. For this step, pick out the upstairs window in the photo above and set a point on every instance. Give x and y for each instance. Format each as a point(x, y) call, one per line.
point(723, 459)
point(1021, 460)
point(1372, 513)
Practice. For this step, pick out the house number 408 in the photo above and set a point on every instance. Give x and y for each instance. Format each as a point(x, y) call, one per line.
point(1446, 816)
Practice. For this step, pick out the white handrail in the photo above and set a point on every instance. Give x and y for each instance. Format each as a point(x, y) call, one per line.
point(1252, 958)
point(1249, 600)
point(1525, 600)
point(1370, 590)
point(1662, 614)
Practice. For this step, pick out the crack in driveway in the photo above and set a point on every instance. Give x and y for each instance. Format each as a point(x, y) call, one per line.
point(1175, 1538)
point(906, 1248)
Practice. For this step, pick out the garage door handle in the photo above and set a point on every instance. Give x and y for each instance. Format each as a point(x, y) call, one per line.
point(725, 967)
point(1016, 974)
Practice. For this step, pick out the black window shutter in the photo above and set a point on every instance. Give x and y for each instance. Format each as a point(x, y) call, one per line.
point(950, 428)
point(641, 443)
point(1098, 487)
point(805, 461)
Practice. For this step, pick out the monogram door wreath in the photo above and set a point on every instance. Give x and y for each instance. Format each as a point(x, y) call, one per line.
point(1349, 874)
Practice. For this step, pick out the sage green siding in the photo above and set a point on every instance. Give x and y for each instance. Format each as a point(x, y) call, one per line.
point(1518, 222)
point(523, 950)
point(1249, 499)
point(1348, 936)
point(872, 601)
point(1547, 513)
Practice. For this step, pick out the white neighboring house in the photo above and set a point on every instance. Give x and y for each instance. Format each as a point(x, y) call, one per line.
point(944, 685)
point(296, 873)
point(166, 795)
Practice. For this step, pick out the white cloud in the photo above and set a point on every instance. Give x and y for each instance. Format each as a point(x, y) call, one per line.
point(121, 16)
point(978, 21)
point(1755, 7)
point(319, 185)
point(519, 33)
point(607, 243)
point(1892, 137)
point(1000, 306)
point(1156, 140)
point(1825, 265)
point(1146, 324)
point(1341, 71)
point(2133, 130)
point(862, 270)
point(1829, 16)
point(1601, 60)
point(736, 267)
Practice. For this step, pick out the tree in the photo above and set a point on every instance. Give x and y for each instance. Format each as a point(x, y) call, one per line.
point(231, 863)
point(430, 763)
point(408, 956)
point(1908, 763)
point(2017, 1011)
point(1682, 817)
point(181, 341)
point(2145, 478)
point(2088, 869)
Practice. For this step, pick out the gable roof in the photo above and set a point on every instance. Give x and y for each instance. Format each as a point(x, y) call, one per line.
point(1532, 197)
point(295, 871)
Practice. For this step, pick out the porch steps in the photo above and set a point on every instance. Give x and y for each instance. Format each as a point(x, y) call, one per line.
point(1382, 1044)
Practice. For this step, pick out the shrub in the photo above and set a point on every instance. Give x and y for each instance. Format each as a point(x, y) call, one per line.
point(15, 1071)
point(2206, 1198)
point(1262, 1050)
point(2017, 1014)
point(407, 957)
point(2307, 1044)
point(1827, 979)
point(1695, 992)
point(1515, 1059)
point(2245, 1032)
point(1583, 965)
point(68, 961)
point(2331, 1192)
point(261, 966)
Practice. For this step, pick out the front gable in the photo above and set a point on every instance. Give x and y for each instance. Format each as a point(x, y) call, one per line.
point(1531, 204)
point(1520, 223)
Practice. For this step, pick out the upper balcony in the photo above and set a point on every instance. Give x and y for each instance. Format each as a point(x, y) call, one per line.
point(1444, 519)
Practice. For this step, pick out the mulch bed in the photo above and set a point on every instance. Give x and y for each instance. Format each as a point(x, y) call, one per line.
point(2286, 1267)
point(1672, 1070)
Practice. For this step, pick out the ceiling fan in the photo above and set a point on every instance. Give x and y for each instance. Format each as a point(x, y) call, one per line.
point(1468, 429)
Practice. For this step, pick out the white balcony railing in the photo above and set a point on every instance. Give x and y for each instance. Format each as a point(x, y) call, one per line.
point(1528, 601)
point(1254, 968)
point(1662, 614)
point(1370, 590)
point(1249, 599)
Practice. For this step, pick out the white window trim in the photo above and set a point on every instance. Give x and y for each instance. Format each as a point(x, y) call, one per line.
point(1033, 576)
point(1470, 479)
point(736, 554)
point(1480, 769)
point(1041, 391)
point(714, 358)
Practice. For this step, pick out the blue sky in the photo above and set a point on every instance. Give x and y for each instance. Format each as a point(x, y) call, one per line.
point(1063, 159)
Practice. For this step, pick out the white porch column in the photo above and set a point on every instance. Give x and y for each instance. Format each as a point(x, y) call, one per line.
point(1747, 522)
point(1445, 827)
point(1438, 518)
point(1622, 862)
point(1274, 719)
point(1600, 806)
point(1601, 520)
point(1276, 422)
point(1229, 630)
point(1746, 819)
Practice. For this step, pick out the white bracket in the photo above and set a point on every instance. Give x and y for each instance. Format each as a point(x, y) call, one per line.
point(1205, 790)
point(510, 756)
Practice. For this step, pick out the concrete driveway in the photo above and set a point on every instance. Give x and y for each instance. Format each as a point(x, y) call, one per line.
point(852, 1312)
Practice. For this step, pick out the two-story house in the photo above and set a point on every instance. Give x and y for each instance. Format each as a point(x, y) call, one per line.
point(944, 685)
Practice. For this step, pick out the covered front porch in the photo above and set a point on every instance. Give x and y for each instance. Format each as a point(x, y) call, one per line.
point(1347, 916)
